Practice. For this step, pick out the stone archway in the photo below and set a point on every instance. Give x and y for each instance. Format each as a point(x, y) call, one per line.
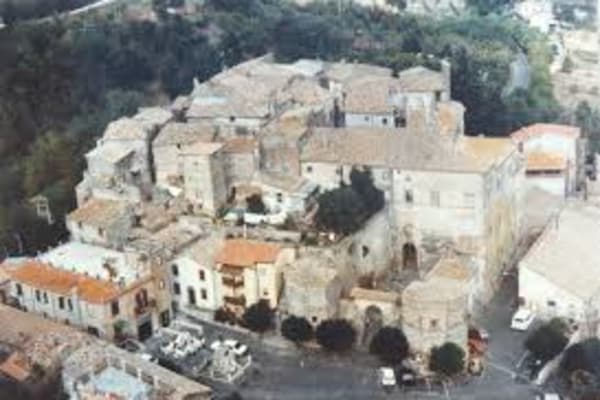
point(410, 260)
point(372, 323)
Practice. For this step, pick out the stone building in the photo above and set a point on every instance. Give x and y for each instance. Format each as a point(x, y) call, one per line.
point(101, 222)
point(442, 190)
point(103, 291)
point(120, 166)
point(204, 184)
point(241, 158)
point(434, 309)
point(168, 146)
point(313, 288)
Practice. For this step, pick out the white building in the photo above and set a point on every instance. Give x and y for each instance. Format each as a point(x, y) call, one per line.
point(106, 292)
point(557, 277)
point(554, 157)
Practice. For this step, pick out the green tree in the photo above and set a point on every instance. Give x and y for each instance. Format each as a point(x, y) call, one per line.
point(340, 210)
point(297, 329)
point(547, 341)
point(337, 335)
point(259, 317)
point(390, 345)
point(447, 360)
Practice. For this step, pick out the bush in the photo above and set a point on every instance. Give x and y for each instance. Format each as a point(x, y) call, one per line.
point(224, 316)
point(259, 317)
point(547, 341)
point(297, 329)
point(447, 360)
point(390, 345)
point(336, 335)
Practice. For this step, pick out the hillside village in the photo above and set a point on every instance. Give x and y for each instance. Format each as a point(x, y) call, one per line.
point(207, 207)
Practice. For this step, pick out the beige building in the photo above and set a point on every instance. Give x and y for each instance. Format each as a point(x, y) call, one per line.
point(103, 291)
point(251, 271)
point(241, 158)
point(442, 190)
point(204, 184)
point(434, 310)
point(101, 222)
point(170, 143)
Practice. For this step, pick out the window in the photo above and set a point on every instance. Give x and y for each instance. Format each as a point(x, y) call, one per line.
point(176, 288)
point(384, 121)
point(279, 198)
point(339, 171)
point(551, 303)
point(434, 197)
point(365, 251)
point(408, 196)
point(38, 295)
point(61, 303)
point(114, 308)
point(265, 293)
point(45, 298)
point(203, 294)
point(19, 289)
point(175, 270)
point(178, 146)
point(314, 319)
point(433, 324)
point(101, 232)
point(438, 95)
point(232, 119)
point(202, 275)
point(191, 296)
point(366, 118)
point(308, 169)
point(80, 225)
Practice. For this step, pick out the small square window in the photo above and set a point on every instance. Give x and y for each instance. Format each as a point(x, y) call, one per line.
point(551, 303)
point(61, 303)
point(408, 196)
point(19, 289)
point(232, 119)
point(309, 169)
point(203, 294)
point(433, 324)
point(175, 270)
point(114, 308)
point(176, 288)
point(279, 198)
point(201, 275)
point(384, 121)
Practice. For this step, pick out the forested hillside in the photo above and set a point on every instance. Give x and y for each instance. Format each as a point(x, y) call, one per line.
point(61, 82)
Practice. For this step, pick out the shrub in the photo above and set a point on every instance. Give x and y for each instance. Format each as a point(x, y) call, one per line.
point(336, 335)
point(447, 360)
point(390, 345)
point(259, 317)
point(297, 329)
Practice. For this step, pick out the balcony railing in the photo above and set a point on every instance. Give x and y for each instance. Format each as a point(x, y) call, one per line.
point(232, 282)
point(235, 300)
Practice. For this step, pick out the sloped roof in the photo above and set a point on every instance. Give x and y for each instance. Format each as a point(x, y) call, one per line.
point(398, 148)
point(126, 129)
point(541, 161)
point(247, 253)
point(42, 276)
point(100, 213)
point(421, 79)
point(540, 129)
point(112, 152)
point(240, 145)
point(554, 256)
point(184, 133)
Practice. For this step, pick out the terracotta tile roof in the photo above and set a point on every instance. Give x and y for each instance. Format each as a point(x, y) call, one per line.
point(541, 161)
point(100, 213)
point(16, 367)
point(240, 145)
point(546, 129)
point(42, 276)
point(247, 253)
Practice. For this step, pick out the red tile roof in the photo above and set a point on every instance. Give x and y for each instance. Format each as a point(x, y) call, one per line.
point(247, 253)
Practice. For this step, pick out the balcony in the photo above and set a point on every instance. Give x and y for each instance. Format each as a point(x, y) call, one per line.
point(234, 282)
point(235, 300)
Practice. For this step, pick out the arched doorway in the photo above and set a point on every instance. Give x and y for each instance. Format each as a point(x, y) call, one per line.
point(409, 257)
point(373, 322)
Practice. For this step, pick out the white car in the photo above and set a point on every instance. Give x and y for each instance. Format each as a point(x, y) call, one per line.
point(387, 377)
point(216, 345)
point(238, 348)
point(522, 320)
point(148, 357)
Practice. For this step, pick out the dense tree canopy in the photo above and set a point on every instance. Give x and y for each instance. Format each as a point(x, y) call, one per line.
point(297, 329)
point(259, 317)
point(447, 360)
point(547, 341)
point(390, 345)
point(336, 335)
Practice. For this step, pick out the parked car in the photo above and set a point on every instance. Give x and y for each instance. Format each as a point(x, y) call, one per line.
point(387, 377)
point(216, 345)
point(238, 348)
point(148, 357)
point(522, 320)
